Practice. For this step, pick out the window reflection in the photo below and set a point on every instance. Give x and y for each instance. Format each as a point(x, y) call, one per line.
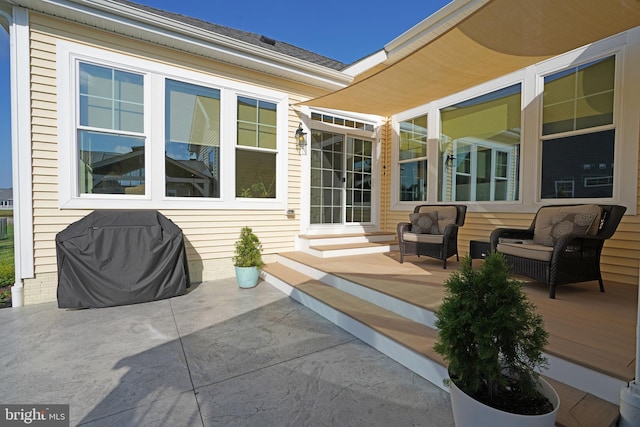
point(480, 148)
point(192, 148)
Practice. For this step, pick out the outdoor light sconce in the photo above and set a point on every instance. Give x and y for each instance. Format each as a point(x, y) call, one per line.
point(450, 158)
point(301, 140)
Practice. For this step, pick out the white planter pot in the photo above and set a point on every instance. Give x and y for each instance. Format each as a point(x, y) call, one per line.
point(468, 412)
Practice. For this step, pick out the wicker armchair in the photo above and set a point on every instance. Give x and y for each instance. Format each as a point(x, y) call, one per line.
point(433, 232)
point(562, 245)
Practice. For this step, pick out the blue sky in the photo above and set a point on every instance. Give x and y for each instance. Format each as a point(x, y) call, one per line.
point(342, 30)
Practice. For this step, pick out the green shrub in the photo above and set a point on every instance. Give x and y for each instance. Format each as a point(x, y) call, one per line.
point(487, 326)
point(5, 296)
point(7, 274)
point(248, 249)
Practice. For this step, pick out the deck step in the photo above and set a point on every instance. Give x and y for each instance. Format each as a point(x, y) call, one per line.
point(410, 342)
point(405, 341)
point(329, 246)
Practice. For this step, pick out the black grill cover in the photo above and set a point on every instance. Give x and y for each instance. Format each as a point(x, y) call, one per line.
point(117, 257)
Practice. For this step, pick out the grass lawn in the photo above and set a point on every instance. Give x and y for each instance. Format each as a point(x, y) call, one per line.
point(7, 274)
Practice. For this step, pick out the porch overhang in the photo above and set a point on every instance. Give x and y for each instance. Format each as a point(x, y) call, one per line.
point(473, 41)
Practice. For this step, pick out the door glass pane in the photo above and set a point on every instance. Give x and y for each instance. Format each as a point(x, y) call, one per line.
point(358, 183)
point(192, 148)
point(483, 174)
point(462, 160)
point(327, 173)
point(341, 175)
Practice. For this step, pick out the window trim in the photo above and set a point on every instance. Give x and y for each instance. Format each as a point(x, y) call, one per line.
point(70, 54)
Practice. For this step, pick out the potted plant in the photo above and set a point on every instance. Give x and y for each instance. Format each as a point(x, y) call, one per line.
point(247, 258)
point(493, 341)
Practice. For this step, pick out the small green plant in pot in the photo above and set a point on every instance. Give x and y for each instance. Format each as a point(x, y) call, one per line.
point(493, 341)
point(247, 258)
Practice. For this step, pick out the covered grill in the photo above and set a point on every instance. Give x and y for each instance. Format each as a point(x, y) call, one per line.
point(117, 257)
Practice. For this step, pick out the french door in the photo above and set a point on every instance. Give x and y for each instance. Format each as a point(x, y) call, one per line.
point(341, 177)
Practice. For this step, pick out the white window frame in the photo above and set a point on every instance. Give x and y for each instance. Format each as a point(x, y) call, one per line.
point(558, 65)
point(626, 47)
point(398, 163)
point(70, 54)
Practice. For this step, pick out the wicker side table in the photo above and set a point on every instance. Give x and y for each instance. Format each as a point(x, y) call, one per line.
point(479, 249)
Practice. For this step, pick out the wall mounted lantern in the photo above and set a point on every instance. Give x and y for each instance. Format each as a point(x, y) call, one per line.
point(301, 138)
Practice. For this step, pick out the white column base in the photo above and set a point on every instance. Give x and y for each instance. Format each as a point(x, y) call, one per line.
point(17, 295)
point(630, 406)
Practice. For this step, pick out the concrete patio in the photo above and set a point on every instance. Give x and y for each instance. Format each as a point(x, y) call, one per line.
point(215, 356)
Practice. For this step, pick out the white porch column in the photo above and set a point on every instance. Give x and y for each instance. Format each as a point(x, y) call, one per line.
point(21, 151)
point(630, 396)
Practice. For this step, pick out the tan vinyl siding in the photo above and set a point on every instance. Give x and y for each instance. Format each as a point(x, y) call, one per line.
point(209, 234)
point(385, 175)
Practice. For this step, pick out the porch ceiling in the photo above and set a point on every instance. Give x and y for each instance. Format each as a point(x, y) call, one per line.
point(500, 37)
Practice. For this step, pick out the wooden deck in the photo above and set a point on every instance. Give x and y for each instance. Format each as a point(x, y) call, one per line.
point(587, 328)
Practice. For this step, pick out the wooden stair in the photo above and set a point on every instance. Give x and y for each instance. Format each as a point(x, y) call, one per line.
point(328, 246)
point(403, 332)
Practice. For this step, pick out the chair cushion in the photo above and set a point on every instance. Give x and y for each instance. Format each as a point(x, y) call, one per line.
point(446, 215)
point(424, 223)
point(552, 223)
point(436, 239)
point(524, 250)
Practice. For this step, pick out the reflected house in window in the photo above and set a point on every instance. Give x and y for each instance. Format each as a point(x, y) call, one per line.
point(114, 173)
point(6, 198)
point(192, 149)
point(190, 178)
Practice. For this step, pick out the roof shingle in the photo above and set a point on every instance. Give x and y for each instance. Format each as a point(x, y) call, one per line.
point(245, 36)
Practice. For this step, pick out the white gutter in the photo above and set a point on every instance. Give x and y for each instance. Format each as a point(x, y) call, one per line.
point(21, 151)
point(419, 35)
point(432, 27)
point(154, 28)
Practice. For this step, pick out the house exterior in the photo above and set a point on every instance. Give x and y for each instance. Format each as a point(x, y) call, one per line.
point(118, 105)
point(6, 199)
